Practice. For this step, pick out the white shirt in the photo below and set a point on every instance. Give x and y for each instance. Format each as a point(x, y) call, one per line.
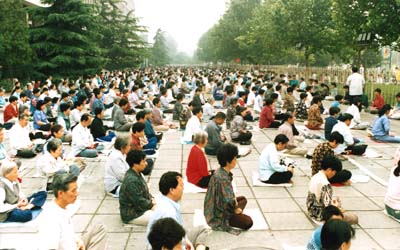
point(3, 206)
point(344, 130)
point(81, 138)
point(356, 82)
point(251, 98)
point(193, 126)
point(55, 228)
point(115, 170)
point(258, 103)
point(75, 117)
point(48, 166)
point(392, 197)
point(355, 112)
point(19, 139)
point(208, 112)
point(270, 162)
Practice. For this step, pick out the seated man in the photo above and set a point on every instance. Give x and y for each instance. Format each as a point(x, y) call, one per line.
point(137, 140)
point(272, 169)
point(171, 188)
point(56, 230)
point(82, 140)
point(10, 115)
point(116, 165)
point(166, 233)
point(378, 102)
point(151, 137)
point(120, 121)
point(331, 121)
point(194, 124)
point(215, 138)
point(136, 204)
point(64, 120)
point(20, 142)
point(14, 206)
point(98, 130)
point(222, 209)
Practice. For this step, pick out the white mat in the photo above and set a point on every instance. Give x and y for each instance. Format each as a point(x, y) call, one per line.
point(370, 153)
point(30, 226)
point(258, 183)
point(244, 151)
point(359, 178)
point(255, 214)
point(191, 188)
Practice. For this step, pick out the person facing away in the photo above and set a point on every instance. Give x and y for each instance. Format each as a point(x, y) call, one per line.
point(331, 121)
point(166, 233)
point(392, 197)
point(336, 234)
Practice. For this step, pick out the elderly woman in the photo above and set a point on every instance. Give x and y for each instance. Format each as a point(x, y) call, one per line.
point(52, 163)
point(40, 121)
point(197, 166)
point(14, 206)
point(116, 165)
point(239, 131)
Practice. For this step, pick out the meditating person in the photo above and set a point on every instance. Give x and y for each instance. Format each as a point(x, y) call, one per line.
point(327, 149)
point(178, 107)
point(231, 111)
point(136, 204)
point(288, 128)
point(64, 120)
point(40, 121)
point(392, 197)
point(267, 118)
point(10, 115)
point(336, 234)
point(14, 206)
point(197, 166)
point(272, 169)
point(238, 131)
point(215, 138)
point(378, 102)
point(116, 165)
point(166, 233)
point(194, 124)
point(349, 145)
point(381, 127)
point(52, 163)
point(320, 192)
point(97, 128)
point(314, 114)
point(331, 121)
point(222, 209)
point(157, 120)
point(301, 108)
point(354, 110)
point(120, 121)
point(20, 141)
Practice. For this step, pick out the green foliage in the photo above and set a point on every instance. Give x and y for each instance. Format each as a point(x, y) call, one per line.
point(159, 51)
point(64, 39)
point(15, 52)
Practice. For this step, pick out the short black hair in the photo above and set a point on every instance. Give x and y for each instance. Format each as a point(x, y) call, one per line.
point(13, 99)
point(334, 233)
point(64, 107)
point(338, 97)
point(123, 102)
point(156, 101)
point(302, 96)
point(331, 162)
point(334, 110)
point(281, 138)
point(197, 110)
point(179, 97)
point(64, 95)
point(61, 182)
point(337, 137)
point(345, 117)
point(378, 90)
point(140, 115)
point(165, 232)
point(226, 153)
point(137, 127)
point(85, 117)
point(55, 128)
point(268, 102)
point(98, 110)
point(220, 115)
point(167, 181)
point(135, 157)
point(329, 211)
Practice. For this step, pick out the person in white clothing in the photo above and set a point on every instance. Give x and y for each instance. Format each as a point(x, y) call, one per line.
point(251, 98)
point(76, 114)
point(20, 142)
point(208, 109)
point(356, 83)
point(354, 110)
point(392, 197)
point(82, 140)
point(55, 228)
point(193, 126)
point(258, 102)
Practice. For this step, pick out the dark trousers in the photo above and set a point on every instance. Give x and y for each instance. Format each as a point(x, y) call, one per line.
point(211, 151)
point(244, 136)
point(107, 138)
point(18, 215)
point(275, 124)
point(241, 221)
point(45, 127)
point(152, 143)
point(149, 167)
point(203, 182)
point(280, 177)
point(26, 153)
point(341, 176)
point(8, 125)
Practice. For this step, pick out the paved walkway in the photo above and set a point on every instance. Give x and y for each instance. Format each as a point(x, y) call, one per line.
point(283, 209)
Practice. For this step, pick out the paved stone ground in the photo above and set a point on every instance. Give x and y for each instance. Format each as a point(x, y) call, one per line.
point(283, 208)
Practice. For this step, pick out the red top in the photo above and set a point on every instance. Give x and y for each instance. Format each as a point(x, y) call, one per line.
point(197, 167)
point(266, 117)
point(135, 143)
point(10, 112)
point(241, 102)
point(378, 102)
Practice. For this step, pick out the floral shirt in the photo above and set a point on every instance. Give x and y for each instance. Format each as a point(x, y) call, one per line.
point(320, 152)
point(319, 195)
point(314, 116)
point(301, 111)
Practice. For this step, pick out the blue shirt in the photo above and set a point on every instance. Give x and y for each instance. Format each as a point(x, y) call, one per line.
point(148, 129)
point(315, 241)
point(270, 162)
point(381, 126)
point(2, 101)
point(330, 121)
point(39, 116)
point(3, 152)
point(335, 104)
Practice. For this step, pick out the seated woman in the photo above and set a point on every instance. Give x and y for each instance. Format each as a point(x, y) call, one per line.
point(197, 166)
point(392, 197)
point(14, 206)
point(239, 132)
point(289, 129)
point(98, 130)
point(314, 114)
point(267, 118)
point(336, 234)
point(40, 121)
point(52, 163)
point(222, 210)
point(355, 110)
point(320, 192)
point(116, 165)
point(381, 127)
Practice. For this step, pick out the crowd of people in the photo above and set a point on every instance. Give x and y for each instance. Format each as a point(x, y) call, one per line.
point(130, 110)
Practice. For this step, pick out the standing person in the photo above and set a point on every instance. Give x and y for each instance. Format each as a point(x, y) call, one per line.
point(194, 124)
point(136, 204)
point(239, 132)
point(222, 209)
point(381, 127)
point(14, 206)
point(356, 84)
point(215, 138)
point(56, 230)
point(392, 197)
point(271, 169)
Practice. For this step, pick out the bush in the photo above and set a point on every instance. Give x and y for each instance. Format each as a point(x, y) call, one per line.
point(7, 84)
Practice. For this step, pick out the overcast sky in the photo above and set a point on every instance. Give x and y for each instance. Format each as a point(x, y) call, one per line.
point(184, 20)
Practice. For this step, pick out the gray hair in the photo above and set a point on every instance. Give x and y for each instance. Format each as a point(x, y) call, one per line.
point(6, 167)
point(200, 137)
point(116, 100)
point(210, 100)
point(53, 144)
point(121, 142)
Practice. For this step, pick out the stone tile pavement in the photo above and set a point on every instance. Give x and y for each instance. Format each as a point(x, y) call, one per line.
point(283, 209)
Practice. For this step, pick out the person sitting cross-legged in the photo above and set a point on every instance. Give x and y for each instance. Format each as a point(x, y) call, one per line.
point(166, 233)
point(136, 204)
point(239, 132)
point(197, 166)
point(98, 130)
point(215, 138)
point(14, 206)
point(336, 234)
point(137, 141)
point(392, 197)
point(222, 209)
point(381, 127)
point(20, 141)
point(194, 124)
point(272, 169)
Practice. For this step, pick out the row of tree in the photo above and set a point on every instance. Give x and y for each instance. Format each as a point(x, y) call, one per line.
point(312, 32)
point(68, 38)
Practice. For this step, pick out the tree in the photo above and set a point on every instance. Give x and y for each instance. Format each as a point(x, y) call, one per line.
point(15, 52)
point(64, 39)
point(122, 46)
point(159, 51)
